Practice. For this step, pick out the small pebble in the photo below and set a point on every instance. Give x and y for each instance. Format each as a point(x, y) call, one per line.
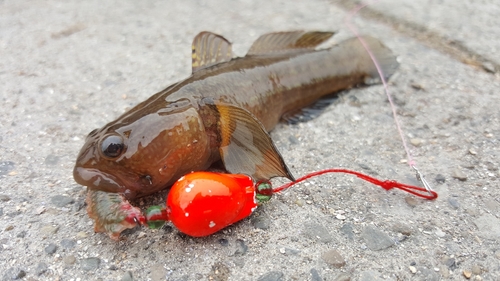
point(81, 234)
point(488, 226)
point(61, 200)
point(440, 179)
point(370, 275)
point(4, 198)
point(411, 201)
point(90, 264)
point(476, 269)
point(467, 273)
point(340, 217)
point(9, 228)
point(450, 263)
point(412, 269)
point(14, 273)
point(426, 274)
point(224, 242)
point(417, 86)
point(261, 222)
point(69, 260)
point(348, 231)
point(293, 140)
point(41, 268)
point(497, 254)
point(219, 272)
point(416, 141)
point(376, 239)
point(402, 228)
point(241, 248)
point(342, 277)
point(315, 275)
point(458, 174)
point(6, 167)
point(316, 232)
point(127, 276)
point(445, 272)
point(40, 210)
point(400, 237)
point(68, 243)
point(51, 160)
point(454, 202)
point(51, 249)
point(271, 276)
point(48, 230)
point(292, 252)
point(440, 233)
point(333, 258)
point(158, 272)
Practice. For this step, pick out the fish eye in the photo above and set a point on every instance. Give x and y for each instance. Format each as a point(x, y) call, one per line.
point(112, 146)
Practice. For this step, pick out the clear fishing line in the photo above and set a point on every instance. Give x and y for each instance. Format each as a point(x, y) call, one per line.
point(353, 29)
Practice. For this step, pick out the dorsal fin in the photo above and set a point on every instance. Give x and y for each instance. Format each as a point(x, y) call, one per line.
point(210, 49)
point(288, 41)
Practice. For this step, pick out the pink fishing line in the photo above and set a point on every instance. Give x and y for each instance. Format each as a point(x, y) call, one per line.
point(353, 29)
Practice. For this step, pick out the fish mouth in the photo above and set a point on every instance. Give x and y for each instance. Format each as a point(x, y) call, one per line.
point(98, 180)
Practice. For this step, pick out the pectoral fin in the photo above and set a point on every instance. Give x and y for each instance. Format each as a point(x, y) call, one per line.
point(288, 41)
point(210, 49)
point(246, 147)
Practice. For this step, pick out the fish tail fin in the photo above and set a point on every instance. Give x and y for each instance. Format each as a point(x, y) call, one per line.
point(384, 57)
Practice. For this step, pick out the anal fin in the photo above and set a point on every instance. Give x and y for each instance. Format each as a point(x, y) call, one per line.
point(309, 112)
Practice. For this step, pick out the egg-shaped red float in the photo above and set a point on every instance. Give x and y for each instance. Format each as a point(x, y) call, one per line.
point(202, 203)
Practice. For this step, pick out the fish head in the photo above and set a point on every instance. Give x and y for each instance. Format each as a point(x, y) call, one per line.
point(144, 151)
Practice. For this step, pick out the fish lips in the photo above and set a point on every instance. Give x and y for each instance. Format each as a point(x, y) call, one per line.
point(98, 180)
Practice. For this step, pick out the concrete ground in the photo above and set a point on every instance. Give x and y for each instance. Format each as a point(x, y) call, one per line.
point(68, 67)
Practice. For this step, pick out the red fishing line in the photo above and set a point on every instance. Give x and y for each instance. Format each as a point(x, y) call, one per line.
point(387, 184)
point(202, 203)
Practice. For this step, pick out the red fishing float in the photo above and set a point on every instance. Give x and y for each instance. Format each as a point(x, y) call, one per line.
point(203, 203)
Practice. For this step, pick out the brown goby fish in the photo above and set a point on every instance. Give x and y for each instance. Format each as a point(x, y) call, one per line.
point(223, 111)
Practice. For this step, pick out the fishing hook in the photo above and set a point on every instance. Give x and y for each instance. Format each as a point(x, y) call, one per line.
point(421, 178)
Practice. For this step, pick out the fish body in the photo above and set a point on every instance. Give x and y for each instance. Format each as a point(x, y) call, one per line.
point(223, 111)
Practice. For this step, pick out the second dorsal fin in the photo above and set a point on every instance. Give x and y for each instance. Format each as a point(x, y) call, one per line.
point(210, 49)
point(288, 41)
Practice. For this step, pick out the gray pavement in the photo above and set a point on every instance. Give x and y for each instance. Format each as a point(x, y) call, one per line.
point(468, 24)
point(68, 67)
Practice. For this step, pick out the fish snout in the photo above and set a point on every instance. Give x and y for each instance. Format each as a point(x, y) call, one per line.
point(98, 180)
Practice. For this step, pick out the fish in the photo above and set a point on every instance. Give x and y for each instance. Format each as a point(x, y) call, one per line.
point(222, 112)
